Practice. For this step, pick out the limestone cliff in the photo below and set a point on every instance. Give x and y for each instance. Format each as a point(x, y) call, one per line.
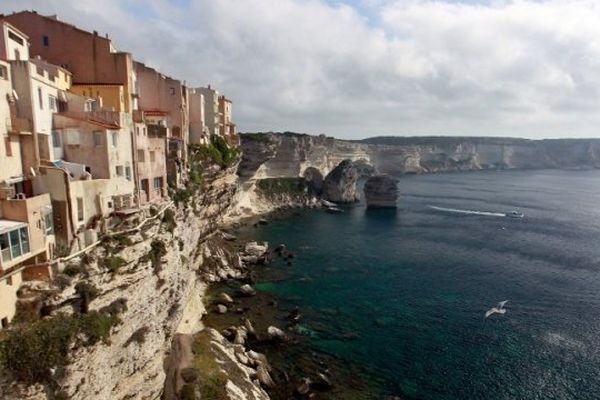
point(268, 155)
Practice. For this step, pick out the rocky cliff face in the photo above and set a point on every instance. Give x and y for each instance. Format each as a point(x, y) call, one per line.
point(164, 294)
point(277, 155)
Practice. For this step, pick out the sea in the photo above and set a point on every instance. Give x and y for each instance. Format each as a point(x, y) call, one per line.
point(402, 294)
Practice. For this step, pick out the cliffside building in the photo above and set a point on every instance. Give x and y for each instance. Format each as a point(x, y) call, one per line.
point(199, 133)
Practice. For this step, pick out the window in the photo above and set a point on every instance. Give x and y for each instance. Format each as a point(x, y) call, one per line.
point(14, 243)
point(9, 281)
point(172, 91)
point(141, 154)
point(4, 323)
point(115, 139)
point(119, 170)
point(80, 209)
point(46, 41)
point(15, 37)
point(5, 247)
point(8, 146)
point(157, 185)
point(3, 72)
point(49, 223)
point(97, 138)
point(40, 98)
point(56, 139)
point(52, 102)
point(17, 55)
point(152, 157)
point(128, 173)
point(137, 131)
point(24, 240)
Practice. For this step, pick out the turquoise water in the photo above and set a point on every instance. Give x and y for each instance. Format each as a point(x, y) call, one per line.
point(404, 292)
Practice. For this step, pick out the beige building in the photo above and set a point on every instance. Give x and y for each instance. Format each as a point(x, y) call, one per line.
point(14, 44)
point(199, 133)
point(211, 109)
point(226, 125)
point(163, 106)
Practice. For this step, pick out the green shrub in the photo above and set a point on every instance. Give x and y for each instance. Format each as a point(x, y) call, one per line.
point(122, 240)
point(292, 186)
point(182, 196)
point(30, 352)
point(157, 251)
point(169, 220)
point(113, 264)
point(73, 270)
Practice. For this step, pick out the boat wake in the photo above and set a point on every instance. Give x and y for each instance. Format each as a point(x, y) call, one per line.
point(469, 212)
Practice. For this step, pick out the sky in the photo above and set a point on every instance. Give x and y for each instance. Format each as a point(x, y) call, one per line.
point(359, 68)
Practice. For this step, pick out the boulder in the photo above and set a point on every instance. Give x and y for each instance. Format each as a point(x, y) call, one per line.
point(263, 376)
point(247, 290)
point(381, 191)
point(304, 387)
point(321, 383)
point(221, 309)
point(240, 336)
point(314, 181)
point(340, 184)
point(277, 334)
point(225, 298)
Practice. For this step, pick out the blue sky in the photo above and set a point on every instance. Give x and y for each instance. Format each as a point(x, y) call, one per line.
point(358, 68)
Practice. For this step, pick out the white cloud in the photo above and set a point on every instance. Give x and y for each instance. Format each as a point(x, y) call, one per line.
point(520, 68)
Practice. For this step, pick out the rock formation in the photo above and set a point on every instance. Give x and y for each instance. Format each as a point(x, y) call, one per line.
point(314, 181)
point(381, 191)
point(340, 184)
point(280, 155)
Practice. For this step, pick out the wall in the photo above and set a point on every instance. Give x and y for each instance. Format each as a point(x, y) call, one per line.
point(9, 296)
point(11, 165)
point(90, 57)
point(198, 129)
point(113, 96)
point(211, 109)
point(8, 45)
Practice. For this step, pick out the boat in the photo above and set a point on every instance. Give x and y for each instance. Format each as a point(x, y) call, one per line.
point(515, 214)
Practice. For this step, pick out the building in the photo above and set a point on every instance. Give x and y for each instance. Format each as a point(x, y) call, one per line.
point(13, 43)
point(211, 109)
point(26, 219)
point(226, 125)
point(92, 59)
point(163, 108)
point(199, 133)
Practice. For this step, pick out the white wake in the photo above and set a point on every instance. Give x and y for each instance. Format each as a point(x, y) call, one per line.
point(469, 212)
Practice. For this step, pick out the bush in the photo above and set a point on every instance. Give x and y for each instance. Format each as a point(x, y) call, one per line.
point(293, 186)
point(113, 264)
point(157, 251)
point(169, 220)
point(30, 352)
point(182, 196)
point(122, 240)
point(73, 270)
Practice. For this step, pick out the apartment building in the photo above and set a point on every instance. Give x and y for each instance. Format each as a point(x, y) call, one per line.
point(199, 133)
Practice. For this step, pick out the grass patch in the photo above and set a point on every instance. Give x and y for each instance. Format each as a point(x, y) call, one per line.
point(113, 264)
point(213, 379)
point(293, 186)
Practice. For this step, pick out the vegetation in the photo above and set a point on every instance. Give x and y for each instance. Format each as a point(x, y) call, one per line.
point(282, 185)
point(168, 219)
point(214, 379)
point(260, 137)
point(113, 264)
point(139, 336)
point(216, 152)
point(31, 352)
point(157, 251)
point(182, 196)
point(73, 269)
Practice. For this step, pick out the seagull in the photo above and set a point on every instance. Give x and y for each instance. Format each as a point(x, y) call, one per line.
point(499, 309)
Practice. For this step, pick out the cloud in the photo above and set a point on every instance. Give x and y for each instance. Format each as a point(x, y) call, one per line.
point(518, 68)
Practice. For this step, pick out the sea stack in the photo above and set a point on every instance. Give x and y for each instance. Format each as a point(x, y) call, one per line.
point(381, 191)
point(340, 184)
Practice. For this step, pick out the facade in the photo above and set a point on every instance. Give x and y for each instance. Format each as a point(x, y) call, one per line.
point(211, 109)
point(151, 163)
point(163, 106)
point(91, 59)
point(198, 130)
point(13, 43)
point(226, 125)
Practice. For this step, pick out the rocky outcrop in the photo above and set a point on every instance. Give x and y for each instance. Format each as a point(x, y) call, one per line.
point(288, 154)
point(381, 191)
point(314, 181)
point(340, 184)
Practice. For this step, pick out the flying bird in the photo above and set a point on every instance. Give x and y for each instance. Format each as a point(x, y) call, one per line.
point(499, 309)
